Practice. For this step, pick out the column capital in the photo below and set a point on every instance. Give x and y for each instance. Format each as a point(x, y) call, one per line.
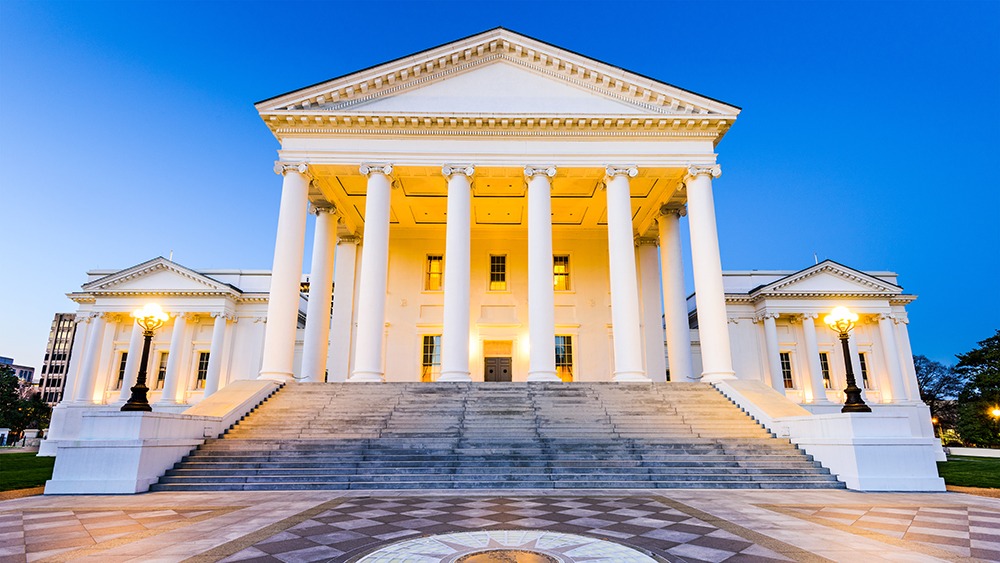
point(764, 315)
point(369, 169)
point(449, 170)
point(224, 314)
point(901, 319)
point(321, 207)
point(885, 316)
point(667, 210)
point(809, 316)
point(646, 241)
point(694, 171)
point(532, 171)
point(349, 239)
point(612, 171)
point(281, 168)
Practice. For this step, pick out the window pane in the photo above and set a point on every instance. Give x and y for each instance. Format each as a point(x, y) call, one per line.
point(786, 370)
point(864, 370)
point(431, 362)
point(435, 270)
point(161, 370)
point(121, 369)
point(560, 273)
point(824, 365)
point(202, 370)
point(564, 357)
point(498, 272)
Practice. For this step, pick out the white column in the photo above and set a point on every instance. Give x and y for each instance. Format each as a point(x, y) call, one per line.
point(674, 299)
point(339, 362)
point(317, 335)
point(541, 293)
point(286, 274)
point(852, 347)
point(91, 360)
point(457, 264)
point(80, 336)
point(650, 292)
point(773, 352)
point(713, 327)
point(215, 354)
point(374, 268)
point(812, 359)
point(906, 358)
point(172, 392)
point(624, 288)
point(890, 353)
point(131, 362)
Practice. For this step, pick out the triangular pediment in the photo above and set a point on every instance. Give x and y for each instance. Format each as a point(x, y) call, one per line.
point(499, 87)
point(496, 72)
point(829, 277)
point(161, 276)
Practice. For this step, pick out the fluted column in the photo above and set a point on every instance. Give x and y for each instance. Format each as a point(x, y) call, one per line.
point(87, 377)
point(713, 328)
point(906, 358)
point(277, 362)
point(624, 287)
point(541, 294)
point(773, 352)
point(215, 353)
point(812, 358)
point(339, 362)
point(374, 268)
point(674, 298)
point(316, 345)
point(890, 354)
point(80, 336)
point(131, 362)
point(172, 392)
point(457, 264)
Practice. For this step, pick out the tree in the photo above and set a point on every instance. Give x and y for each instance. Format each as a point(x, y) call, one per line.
point(939, 386)
point(20, 408)
point(981, 394)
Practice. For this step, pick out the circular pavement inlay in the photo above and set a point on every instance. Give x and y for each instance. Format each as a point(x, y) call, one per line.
point(505, 546)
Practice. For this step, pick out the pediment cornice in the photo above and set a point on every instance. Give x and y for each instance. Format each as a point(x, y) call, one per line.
point(116, 284)
point(867, 286)
point(333, 106)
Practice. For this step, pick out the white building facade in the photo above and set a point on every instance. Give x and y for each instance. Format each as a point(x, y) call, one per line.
point(495, 209)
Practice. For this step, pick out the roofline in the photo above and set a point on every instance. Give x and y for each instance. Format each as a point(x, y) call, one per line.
point(498, 28)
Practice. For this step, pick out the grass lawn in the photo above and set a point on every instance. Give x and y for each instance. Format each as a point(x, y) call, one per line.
point(971, 471)
point(24, 470)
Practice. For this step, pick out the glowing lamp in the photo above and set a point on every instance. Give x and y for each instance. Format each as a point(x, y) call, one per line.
point(995, 412)
point(150, 318)
point(842, 320)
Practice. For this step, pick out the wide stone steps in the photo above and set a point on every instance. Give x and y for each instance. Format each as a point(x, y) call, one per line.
point(470, 436)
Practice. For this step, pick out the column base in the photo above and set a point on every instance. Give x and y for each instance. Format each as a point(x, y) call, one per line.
point(457, 376)
point(365, 377)
point(630, 377)
point(543, 376)
point(280, 377)
point(713, 377)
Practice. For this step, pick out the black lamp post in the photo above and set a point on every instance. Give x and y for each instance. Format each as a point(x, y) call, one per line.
point(150, 318)
point(842, 321)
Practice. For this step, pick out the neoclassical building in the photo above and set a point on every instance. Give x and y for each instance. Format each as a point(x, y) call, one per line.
point(500, 209)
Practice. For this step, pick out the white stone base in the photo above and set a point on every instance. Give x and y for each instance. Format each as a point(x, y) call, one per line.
point(885, 450)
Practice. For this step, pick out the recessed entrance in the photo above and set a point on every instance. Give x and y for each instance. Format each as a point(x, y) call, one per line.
point(497, 360)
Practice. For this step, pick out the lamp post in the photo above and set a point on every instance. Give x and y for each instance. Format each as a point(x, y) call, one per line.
point(150, 318)
point(842, 320)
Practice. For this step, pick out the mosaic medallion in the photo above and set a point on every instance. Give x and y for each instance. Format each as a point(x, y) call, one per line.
point(506, 546)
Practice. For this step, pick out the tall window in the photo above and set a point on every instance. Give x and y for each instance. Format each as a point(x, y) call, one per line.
point(560, 272)
point(824, 368)
point(433, 272)
point(786, 370)
point(564, 357)
point(121, 369)
point(430, 367)
point(199, 383)
point(863, 358)
point(161, 370)
point(498, 272)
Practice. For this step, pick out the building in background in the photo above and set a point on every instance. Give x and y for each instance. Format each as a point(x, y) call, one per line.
point(52, 379)
point(24, 373)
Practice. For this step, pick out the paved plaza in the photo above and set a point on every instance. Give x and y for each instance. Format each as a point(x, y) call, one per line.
point(679, 525)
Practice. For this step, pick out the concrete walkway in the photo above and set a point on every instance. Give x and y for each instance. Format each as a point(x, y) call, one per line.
point(676, 525)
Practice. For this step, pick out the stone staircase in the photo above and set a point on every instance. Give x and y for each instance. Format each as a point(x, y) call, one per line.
point(496, 435)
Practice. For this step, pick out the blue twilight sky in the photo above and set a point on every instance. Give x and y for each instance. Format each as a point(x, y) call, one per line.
point(869, 133)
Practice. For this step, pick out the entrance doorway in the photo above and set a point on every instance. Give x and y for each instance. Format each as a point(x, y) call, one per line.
point(497, 360)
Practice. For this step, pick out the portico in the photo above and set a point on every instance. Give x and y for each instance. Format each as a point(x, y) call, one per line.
point(440, 161)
